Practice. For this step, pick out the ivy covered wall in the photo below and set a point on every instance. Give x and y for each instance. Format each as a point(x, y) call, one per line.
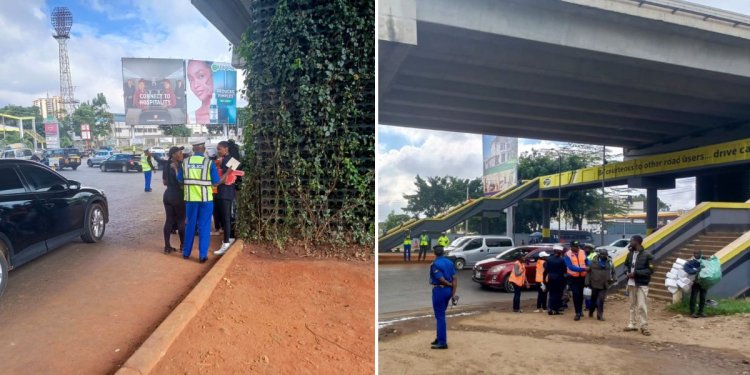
point(310, 146)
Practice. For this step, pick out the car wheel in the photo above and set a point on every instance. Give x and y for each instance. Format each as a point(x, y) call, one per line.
point(89, 163)
point(3, 266)
point(75, 167)
point(124, 169)
point(94, 226)
point(509, 287)
point(101, 167)
point(459, 263)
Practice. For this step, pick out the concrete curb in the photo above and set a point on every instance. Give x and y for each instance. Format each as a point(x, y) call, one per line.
point(146, 357)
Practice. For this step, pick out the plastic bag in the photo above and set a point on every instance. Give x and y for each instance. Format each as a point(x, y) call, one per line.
point(692, 267)
point(710, 273)
point(587, 292)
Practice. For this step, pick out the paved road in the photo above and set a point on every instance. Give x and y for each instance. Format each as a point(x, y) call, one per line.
point(403, 288)
point(84, 308)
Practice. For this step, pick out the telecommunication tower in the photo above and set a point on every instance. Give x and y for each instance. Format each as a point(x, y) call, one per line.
point(62, 20)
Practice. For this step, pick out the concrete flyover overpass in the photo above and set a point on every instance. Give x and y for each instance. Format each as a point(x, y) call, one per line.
point(644, 75)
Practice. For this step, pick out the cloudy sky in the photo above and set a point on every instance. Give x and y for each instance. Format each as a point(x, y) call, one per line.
point(403, 153)
point(104, 31)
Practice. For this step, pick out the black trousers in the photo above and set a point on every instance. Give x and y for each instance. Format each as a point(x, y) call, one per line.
point(175, 211)
point(556, 288)
point(516, 297)
point(422, 252)
point(576, 289)
point(217, 214)
point(225, 216)
point(597, 302)
point(695, 291)
point(541, 299)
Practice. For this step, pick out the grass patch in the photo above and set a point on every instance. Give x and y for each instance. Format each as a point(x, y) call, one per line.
point(725, 307)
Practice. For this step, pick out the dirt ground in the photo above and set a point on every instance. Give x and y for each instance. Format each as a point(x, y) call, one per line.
point(493, 340)
point(282, 316)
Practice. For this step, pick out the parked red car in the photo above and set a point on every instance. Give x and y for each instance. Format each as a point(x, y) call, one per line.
point(495, 272)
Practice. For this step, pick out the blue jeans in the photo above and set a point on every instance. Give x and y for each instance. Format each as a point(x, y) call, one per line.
point(407, 253)
point(147, 176)
point(198, 213)
point(516, 297)
point(440, 299)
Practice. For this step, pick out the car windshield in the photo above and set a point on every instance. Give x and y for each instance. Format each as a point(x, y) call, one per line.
point(102, 153)
point(458, 242)
point(510, 255)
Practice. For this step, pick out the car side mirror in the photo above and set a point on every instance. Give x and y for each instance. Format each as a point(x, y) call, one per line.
point(74, 185)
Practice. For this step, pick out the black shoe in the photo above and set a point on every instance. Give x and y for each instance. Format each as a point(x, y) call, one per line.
point(436, 346)
point(578, 317)
point(600, 318)
point(434, 342)
point(185, 257)
point(694, 315)
point(202, 260)
point(550, 312)
point(168, 249)
point(701, 315)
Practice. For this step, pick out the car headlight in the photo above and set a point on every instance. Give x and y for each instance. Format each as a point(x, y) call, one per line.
point(497, 268)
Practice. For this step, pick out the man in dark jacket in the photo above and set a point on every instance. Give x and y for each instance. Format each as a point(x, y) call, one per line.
point(697, 289)
point(554, 277)
point(640, 266)
point(599, 278)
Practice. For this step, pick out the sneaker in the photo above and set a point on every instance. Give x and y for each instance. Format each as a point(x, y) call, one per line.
point(223, 249)
point(439, 346)
point(537, 310)
point(645, 332)
point(701, 315)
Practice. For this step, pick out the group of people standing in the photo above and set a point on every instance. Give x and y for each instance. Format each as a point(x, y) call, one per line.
point(424, 245)
point(573, 270)
point(197, 189)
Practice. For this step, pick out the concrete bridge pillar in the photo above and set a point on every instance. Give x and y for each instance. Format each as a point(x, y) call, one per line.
point(652, 210)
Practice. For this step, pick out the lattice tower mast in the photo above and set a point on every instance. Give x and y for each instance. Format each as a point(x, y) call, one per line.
point(62, 20)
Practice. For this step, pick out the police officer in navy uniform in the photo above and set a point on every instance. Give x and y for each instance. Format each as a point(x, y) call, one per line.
point(444, 283)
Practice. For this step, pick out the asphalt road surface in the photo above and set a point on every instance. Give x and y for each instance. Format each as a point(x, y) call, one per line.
point(405, 288)
point(85, 308)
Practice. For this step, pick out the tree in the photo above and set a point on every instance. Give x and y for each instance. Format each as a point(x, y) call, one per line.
point(19, 111)
point(392, 221)
point(178, 131)
point(94, 113)
point(437, 194)
point(660, 205)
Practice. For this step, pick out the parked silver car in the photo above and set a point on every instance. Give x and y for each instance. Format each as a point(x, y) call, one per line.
point(467, 251)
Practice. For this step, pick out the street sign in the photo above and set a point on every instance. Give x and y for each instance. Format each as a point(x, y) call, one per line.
point(51, 132)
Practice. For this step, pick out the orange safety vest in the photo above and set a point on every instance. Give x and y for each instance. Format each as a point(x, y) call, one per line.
point(518, 280)
point(539, 278)
point(578, 260)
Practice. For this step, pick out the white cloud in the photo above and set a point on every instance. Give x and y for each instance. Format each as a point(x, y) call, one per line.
point(438, 154)
point(167, 28)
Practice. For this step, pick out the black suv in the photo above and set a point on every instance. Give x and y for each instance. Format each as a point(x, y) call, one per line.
point(41, 210)
point(60, 158)
point(122, 162)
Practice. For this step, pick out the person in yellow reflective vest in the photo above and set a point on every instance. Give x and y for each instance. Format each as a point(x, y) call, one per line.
point(147, 165)
point(407, 247)
point(198, 175)
point(443, 240)
point(424, 244)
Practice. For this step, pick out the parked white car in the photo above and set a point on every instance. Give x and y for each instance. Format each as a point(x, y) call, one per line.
point(616, 248)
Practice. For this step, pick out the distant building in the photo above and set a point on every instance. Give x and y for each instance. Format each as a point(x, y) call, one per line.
point(50, 106)
point(129, 135)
